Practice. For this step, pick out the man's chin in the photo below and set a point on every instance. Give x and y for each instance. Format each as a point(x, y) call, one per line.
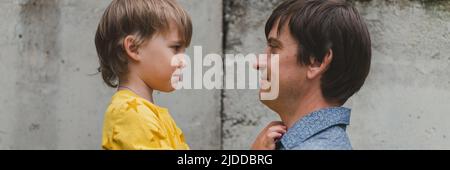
point(260, 95)
point(269, 104)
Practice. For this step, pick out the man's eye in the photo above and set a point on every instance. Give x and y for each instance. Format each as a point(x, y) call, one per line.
point(273, 46)
point(272, 49)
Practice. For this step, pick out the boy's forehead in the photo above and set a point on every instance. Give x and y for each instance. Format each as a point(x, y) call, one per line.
point(172, 33)
point(175, 32)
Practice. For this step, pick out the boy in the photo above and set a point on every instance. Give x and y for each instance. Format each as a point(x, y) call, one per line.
point(137, 41)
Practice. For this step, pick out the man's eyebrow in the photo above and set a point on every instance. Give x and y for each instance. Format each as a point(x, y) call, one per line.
point(274, 42)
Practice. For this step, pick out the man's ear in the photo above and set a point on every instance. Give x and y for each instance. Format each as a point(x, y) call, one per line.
point(129, 43)
point(316, 69)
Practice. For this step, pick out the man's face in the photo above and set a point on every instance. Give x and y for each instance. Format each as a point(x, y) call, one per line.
point(292, 76)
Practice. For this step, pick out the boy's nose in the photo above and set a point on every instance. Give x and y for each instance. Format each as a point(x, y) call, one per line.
point(182, 63)
point(179, 61)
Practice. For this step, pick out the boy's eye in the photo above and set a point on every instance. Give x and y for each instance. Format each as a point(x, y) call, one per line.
point(176, 48)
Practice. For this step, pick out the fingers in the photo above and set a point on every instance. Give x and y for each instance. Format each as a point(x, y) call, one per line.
point(268, 137)
point(275, 132)
point(274, 123)
point(278, 128)
point(274, 136)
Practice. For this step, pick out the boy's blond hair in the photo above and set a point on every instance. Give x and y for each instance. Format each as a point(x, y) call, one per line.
point(141, 18)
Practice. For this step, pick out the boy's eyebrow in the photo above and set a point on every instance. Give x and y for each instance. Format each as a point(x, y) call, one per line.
point(274, 42)
point(178, 42)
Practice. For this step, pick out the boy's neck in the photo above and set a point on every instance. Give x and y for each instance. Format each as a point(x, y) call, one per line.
point(139, 87)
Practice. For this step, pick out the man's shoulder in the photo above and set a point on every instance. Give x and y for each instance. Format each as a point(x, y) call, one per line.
point(332, 138)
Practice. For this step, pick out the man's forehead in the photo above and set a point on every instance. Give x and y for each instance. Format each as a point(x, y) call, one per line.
point(279, 31)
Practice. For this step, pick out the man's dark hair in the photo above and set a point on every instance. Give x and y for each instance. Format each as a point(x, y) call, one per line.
point(321, 25)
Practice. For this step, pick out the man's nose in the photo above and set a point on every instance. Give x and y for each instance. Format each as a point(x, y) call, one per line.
point(261, 62)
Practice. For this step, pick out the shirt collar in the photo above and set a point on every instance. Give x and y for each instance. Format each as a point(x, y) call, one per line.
point(314, 123)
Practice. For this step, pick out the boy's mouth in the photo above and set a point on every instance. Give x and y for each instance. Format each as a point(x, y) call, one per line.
point(178, 77)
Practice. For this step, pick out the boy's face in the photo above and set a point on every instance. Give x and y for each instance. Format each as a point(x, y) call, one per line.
point(160, 65)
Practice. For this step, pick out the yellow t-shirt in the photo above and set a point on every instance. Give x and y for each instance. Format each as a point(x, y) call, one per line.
point(133, 123)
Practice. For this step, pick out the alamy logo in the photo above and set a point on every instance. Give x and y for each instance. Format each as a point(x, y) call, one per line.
point(262, 72)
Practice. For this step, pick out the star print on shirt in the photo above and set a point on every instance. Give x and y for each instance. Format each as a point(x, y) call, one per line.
point(133, 105)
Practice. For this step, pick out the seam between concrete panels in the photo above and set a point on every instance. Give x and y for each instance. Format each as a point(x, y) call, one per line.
point(222, 91)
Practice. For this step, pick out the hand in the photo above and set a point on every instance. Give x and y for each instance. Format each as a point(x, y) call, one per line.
point(269, 136)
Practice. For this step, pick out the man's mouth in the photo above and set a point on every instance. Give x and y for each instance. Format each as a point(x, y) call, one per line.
point(264, 80)
point(264, 75)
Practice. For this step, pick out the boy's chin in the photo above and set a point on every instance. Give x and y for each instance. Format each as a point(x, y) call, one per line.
point(168, 90)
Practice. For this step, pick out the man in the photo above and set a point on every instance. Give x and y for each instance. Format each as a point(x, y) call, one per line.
point(324, 51)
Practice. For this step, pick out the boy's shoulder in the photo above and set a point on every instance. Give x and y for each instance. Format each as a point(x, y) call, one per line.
point(125, 102)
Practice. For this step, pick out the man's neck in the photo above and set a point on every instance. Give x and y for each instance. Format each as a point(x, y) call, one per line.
point(138, 86)
point(302, 107)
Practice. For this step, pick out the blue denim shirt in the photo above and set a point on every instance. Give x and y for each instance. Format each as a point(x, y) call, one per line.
point(321, 130)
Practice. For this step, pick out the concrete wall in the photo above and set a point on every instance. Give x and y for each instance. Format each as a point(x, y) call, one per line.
point(51, 100)
point(405, 102)
point(244, 116)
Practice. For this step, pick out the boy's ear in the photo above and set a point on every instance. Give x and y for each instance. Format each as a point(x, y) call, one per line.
point(131, 48)
point(315, 69)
